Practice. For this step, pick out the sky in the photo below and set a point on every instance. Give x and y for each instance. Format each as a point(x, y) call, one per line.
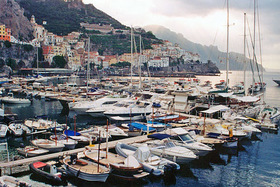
point(204, 22)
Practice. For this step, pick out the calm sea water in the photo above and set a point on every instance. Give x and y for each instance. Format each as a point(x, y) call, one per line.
point(257, 163)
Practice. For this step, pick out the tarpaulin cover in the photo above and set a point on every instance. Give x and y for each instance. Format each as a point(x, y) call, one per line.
point(39, 164)
point(159, 136)
point(141, 126)
point(71, 133)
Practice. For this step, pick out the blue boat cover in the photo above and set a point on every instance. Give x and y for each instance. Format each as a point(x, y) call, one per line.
point(141, 126)
point(159, 136)
point(71, 133)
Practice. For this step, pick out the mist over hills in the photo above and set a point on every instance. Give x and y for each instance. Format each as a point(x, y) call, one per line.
point(206, 52)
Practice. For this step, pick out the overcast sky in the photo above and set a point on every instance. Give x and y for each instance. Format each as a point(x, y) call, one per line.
point(204, 21)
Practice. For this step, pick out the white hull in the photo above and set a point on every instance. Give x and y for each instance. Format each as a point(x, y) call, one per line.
point(51, 146)
point(15, 100)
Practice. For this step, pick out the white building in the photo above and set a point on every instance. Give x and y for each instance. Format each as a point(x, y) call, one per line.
point(159, 62)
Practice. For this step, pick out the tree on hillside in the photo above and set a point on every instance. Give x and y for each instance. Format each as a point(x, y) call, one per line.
point(59, 62)
point(12, 63)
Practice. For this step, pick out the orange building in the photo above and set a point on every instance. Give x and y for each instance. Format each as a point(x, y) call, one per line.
point(5, 33)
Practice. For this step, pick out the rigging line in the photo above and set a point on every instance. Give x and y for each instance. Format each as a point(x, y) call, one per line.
point(251, 64)
point(215, 37)
point(260, 43)
point(251, 43)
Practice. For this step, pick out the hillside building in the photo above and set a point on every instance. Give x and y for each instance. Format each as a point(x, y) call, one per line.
point(5, 33)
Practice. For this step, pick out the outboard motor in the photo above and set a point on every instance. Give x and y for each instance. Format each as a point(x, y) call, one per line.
point(73, 158)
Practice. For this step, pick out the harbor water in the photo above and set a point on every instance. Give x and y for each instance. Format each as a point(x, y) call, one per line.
point(255, 163)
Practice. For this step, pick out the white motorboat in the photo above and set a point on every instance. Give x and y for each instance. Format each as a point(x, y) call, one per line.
point(12, 100)
point(85, 169)
point(182, 138)
point(130, 108)
point(3, 130)
point(83, 106)
point(16, 128)
point(30, 151)
point(166, 148)
point(52, 146)
point(224, 130)
point(151, 163)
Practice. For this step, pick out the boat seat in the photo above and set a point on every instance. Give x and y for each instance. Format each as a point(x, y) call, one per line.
point(82, 163)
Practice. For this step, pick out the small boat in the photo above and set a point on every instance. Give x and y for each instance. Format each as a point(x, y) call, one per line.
point(48, 171)
point(48, 144)
point(151, 163)
point(76, 136)
point(122, 168)
point(16, 128)
point(30, 151)
point(62, 139)
point(85, 169)
point(9, 181)
point(3, 130)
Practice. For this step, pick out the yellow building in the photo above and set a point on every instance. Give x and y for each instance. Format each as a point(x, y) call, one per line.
point(5, 33)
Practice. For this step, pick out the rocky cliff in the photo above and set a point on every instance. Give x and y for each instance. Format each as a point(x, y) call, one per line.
point(11, 14)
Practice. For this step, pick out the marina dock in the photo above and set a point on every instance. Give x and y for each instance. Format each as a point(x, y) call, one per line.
point(111, 144)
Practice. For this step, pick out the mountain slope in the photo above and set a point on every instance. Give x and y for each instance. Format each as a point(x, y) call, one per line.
point(64, 17)
point(11, 14)
point(206, 52)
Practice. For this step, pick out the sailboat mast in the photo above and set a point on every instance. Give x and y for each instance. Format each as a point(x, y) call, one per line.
point(88, 67)
point(254, 40)
point(38, 60)
point(140, 63)
point(227, 57)
point(131, 55)
point(245, 63)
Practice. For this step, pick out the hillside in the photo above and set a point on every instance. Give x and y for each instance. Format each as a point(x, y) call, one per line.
point(64, 17)
point(206, 52)
point(11, 14)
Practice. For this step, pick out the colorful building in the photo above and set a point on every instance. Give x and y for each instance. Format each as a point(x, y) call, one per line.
point(5, 33)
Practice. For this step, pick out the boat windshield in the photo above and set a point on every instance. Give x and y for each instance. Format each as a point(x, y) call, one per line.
point(169, 144)
point(186, 138)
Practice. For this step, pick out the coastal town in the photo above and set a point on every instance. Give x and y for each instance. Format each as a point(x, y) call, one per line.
point(95, 102)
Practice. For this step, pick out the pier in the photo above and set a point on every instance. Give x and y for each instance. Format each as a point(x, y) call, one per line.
point(111, 144)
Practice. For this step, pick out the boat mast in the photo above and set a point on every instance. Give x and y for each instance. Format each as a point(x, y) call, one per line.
point(254, 44)
point(227, 57)
point(245, 63)
point(38, 60)
point(131, 55)
point(140, 63)
point(88, 67)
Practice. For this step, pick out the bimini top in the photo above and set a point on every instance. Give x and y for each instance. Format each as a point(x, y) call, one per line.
point(159, 136)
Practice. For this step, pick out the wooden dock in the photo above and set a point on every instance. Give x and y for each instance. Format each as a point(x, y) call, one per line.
point(111, 144)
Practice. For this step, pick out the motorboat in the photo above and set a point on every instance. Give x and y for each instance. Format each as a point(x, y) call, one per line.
point(48, 171)
point(151, 163)
point(3, 130)
point(85, 169)
point(182, 138)
point(52, 146)
point(30, 151)
point(10, 181)
point(12, 100)
point(16, 128)
point(83, 106)
point(129, 108)
point(165, 147)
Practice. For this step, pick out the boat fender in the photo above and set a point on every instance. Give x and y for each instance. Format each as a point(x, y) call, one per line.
point(212, 96)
